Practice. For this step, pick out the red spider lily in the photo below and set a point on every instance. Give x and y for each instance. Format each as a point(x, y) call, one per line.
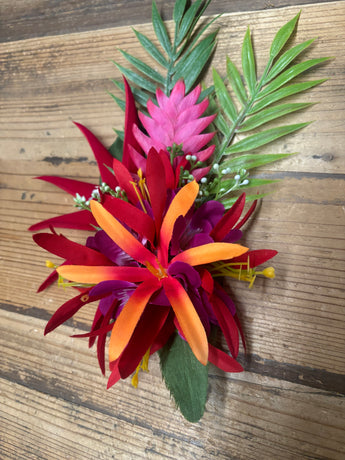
point(154, 275)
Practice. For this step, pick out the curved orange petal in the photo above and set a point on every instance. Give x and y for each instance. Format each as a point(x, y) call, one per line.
point(208, 253)
point(96, 274)
point(120, 235)
point(128, 319)
point(179, 206)
point(187, 317)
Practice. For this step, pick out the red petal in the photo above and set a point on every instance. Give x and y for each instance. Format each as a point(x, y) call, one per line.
point(246, 217)
point(131, 118)
point(149, 325)
point(103, 157)
point(67, 310)
point(168, 169)
point(256, 257)
point(129, 317)
point(75, 253)
point(223, 360)
point(81, 220)
point(229, 219)
point(114, 376)
point(164, 334)
point(239, 325)
point(124, 179)
point(156, 185)
point(136, 219)
point(54, 276)
point(227, 324)
point(70, 185)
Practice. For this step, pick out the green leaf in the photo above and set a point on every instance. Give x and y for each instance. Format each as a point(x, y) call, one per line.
point(191, 66)
point(286, 58)
point(189, 19)
point(134, 77)
point(223, 97)
point(289, 74)
point(236, 81)
point(185, 377)
point(151, 49)
point(228, 202)
point(179, 8)
point(144, 68)
point(160, 30)
point(253, 160)
point(116, 149)
point(282, 37)
point(253, 182)
point(120, 102)
point(269, 114)
point(265, 137)
point(282, 93)
point(248, 63)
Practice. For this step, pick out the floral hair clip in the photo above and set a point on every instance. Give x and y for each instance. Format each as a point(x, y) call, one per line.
point(168, 214)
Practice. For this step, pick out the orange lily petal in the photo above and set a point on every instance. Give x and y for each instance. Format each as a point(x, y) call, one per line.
point(188, 318)
point(179, 206)
point(208, 253)
point(120, 235)
point(96, 274)
point(128, 319)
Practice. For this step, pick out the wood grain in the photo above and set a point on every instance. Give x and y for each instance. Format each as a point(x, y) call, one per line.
point(289, 404)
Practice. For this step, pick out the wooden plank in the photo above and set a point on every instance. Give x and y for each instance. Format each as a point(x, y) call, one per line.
point(27, 19)
point(55, 389)
point(53, 398)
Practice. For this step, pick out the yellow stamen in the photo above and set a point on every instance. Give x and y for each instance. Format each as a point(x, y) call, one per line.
point(139, 196)
point(144, 365)
point(159, 272)
point(142, 185)
point(244, 273)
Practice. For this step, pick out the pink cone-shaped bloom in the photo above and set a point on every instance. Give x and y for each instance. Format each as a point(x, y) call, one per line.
point(177, 120)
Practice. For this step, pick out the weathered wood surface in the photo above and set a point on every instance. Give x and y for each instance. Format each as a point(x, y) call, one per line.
point(289, 404)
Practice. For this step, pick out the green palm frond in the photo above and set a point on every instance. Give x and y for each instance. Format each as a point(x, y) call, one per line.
point(183, 56)
point(247, 103)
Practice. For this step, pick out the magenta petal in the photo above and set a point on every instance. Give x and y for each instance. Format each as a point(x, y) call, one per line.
point(69, 185)
point(81, 220)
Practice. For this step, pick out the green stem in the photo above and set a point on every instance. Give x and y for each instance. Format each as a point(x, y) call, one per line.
point(243, 114)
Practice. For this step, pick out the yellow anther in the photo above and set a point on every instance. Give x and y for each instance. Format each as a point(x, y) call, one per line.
point(135, 378)
point(84, 298)
point(269, 272)
point(50, 264)
point(144, 365)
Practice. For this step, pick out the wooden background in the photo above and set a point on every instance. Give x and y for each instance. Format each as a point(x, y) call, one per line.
point(289, 404)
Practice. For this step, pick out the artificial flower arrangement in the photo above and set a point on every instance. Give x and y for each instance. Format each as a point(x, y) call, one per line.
point(168, 213)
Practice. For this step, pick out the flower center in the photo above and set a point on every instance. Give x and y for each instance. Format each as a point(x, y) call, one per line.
point(159, 271)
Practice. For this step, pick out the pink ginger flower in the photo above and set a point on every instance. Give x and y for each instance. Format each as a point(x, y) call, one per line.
point(177, 121)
